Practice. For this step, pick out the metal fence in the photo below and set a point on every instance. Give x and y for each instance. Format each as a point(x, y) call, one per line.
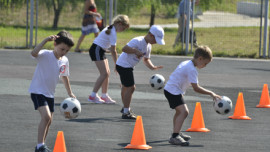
point(243, 21)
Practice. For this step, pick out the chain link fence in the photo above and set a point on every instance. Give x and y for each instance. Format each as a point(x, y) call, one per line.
point(229, 27)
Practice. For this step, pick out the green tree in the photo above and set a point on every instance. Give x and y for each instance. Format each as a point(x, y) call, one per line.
point(58, 6)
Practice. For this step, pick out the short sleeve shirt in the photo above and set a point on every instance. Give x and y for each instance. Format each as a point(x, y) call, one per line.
point(47, 73)
point(181, 78)
point(104, 40)
point(130, 60)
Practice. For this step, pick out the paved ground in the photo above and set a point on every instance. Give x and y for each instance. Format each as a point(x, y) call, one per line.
point(217, 19)
point(100, 127)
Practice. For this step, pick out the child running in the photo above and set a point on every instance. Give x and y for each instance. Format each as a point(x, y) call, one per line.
point(136, 49)
point(184, 75)
point(106, 41)
point(51, 64)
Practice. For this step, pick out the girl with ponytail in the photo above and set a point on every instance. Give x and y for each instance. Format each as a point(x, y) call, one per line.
point(106, 42)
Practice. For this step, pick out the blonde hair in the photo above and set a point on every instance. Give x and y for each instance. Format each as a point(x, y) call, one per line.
point(119, 19)
point(203, 51)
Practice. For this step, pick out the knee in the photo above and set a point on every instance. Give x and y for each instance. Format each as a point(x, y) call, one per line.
point(47, 119)
point(185, 113)
point(105, 74)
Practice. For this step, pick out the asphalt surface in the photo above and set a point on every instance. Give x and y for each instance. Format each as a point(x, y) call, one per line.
point(100, 128)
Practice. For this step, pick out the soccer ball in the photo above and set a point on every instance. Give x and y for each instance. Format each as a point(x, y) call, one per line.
point(223, 106)
point(70, 108)
point(157, 81)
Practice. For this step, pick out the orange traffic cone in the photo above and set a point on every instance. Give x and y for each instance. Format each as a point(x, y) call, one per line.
point(264, 102)
point(197, 124)
point(240, 110)
point(60, 145)
point(138, 137)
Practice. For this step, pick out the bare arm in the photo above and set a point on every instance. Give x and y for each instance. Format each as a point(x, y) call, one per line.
point(150, 65)
point(202, 90)
point(129, 50)
point(114, 53)
point(36, 50)
point(65, 80)
point(87, 4)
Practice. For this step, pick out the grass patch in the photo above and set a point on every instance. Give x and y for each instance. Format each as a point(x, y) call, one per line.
point(226, 42)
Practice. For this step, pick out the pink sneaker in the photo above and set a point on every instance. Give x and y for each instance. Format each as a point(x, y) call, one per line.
point(108, 100)
point(95, 99)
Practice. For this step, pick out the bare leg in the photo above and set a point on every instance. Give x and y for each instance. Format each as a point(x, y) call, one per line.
point(105, 83)
point(181, 113)
point(79, 42)
point(103, 70)
point(127, 96)
point(46, 118)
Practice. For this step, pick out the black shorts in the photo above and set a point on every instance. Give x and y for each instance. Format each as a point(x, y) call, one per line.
point(174, 100)
point(97, 53)
point(40, 100)
point(126, 76)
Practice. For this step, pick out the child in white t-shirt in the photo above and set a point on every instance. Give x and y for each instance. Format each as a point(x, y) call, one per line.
point(183, 76)
point(51, 65)
point(133, 52)
point(106, 41)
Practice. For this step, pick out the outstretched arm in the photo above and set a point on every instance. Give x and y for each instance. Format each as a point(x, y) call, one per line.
point(65, 80)
point(40, 45)
point(150, 65)
point(202, 90)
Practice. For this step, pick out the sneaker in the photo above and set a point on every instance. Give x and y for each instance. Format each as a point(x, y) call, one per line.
point(185, 137)
point(108, 100)
point(96, 99)
point(43, 148)
point(178, 140)
point(128, 116)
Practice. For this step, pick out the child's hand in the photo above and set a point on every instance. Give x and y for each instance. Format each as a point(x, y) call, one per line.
point(52, 38)
point(72, 95)
point(139, 54)
point(215, 97)
point(158, 67)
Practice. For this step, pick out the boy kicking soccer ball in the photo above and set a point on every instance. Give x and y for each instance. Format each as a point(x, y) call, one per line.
point(50, 66)
point(184, 75)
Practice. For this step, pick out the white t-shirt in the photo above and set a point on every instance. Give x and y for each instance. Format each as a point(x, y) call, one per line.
point(130, 60)
point(104, 40)
point(47, 73)
point(181, 78)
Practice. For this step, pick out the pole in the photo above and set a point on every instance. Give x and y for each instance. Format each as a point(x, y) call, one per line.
point(191, 47)
point(265, 28)
point(27, 12)
point(31, 22)
point(110, 12)
point(183, 27)
point(187, 27)
point(36, 22)
point(106, 12)
point(260, 45)
point(115, 7)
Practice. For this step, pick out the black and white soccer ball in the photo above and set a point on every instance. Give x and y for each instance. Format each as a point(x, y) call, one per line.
point(70, 108)
point(223, 106)
point(157, 81)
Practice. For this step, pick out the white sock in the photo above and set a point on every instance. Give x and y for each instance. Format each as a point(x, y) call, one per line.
point(93, 94)
point(104, 95)
point(39, 145)
point(126, 110)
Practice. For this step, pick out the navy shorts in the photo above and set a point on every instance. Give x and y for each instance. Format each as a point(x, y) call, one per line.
point(97, 53)
point(174, 100)
point(126, 76)
point(40, 100)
